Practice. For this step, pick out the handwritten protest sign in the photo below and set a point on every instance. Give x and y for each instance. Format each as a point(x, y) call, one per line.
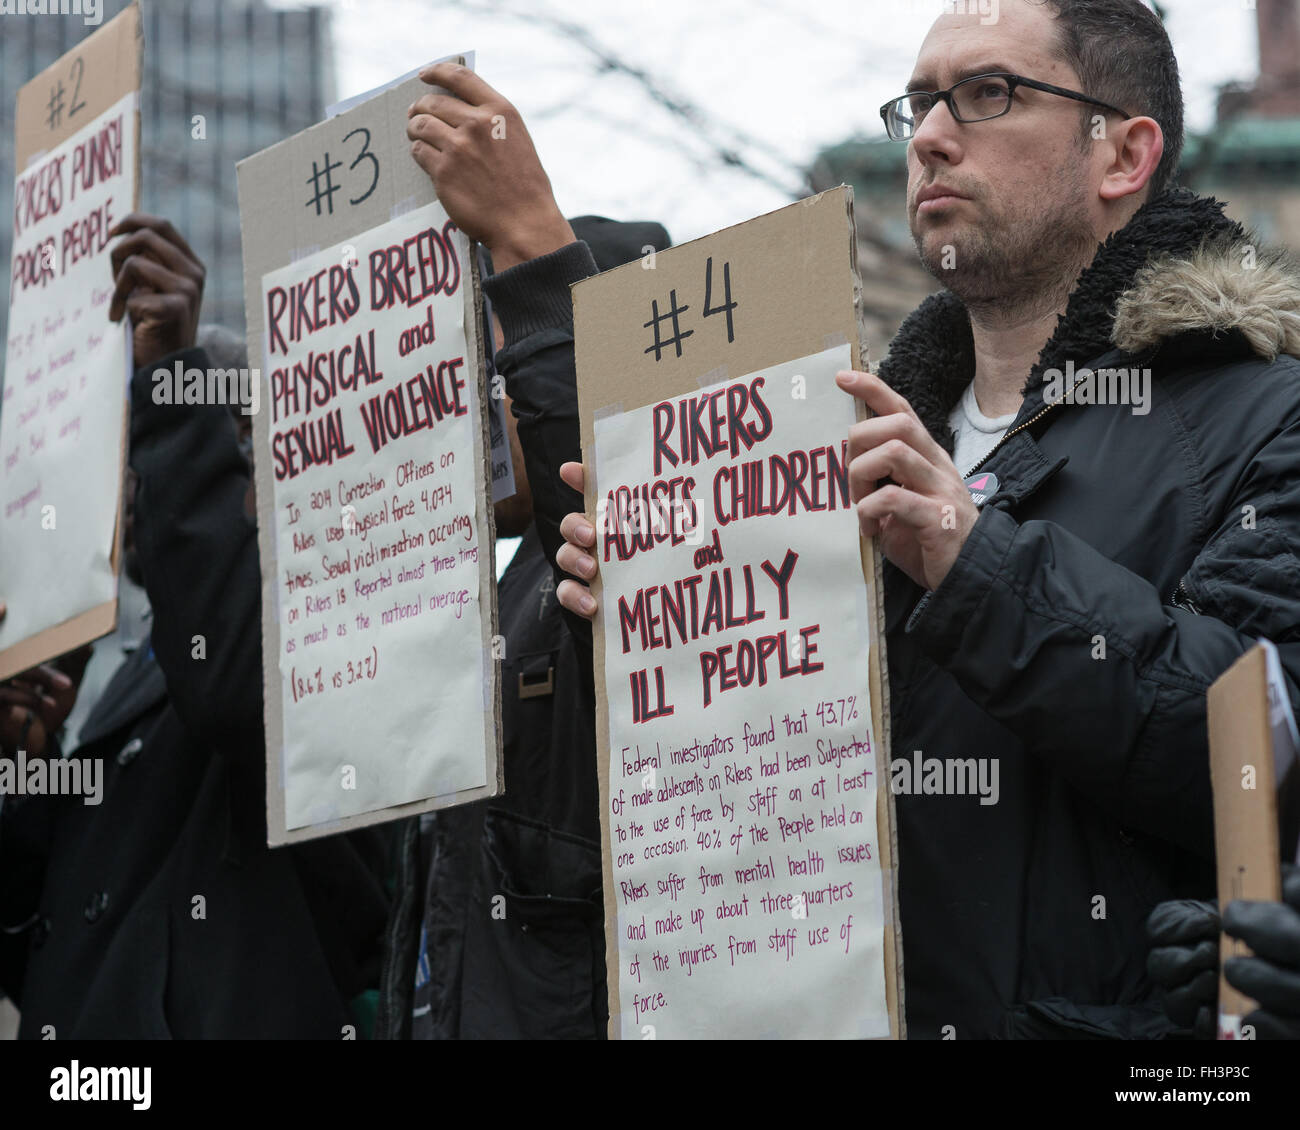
point(373, 480)
point(63, 413)
point(741, 724)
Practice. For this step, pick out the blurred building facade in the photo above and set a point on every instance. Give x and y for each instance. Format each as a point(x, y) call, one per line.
point(1250, 159)
point(222, 79)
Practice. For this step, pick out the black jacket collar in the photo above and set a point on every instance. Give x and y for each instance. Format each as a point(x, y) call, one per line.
point(931, 359)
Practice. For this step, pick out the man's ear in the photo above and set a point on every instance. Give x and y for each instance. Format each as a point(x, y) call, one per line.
point(1136, 147)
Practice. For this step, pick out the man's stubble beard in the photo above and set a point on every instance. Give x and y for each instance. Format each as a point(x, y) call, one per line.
point(1017, 266)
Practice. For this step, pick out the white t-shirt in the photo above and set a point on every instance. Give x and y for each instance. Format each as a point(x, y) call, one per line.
point(977, 434)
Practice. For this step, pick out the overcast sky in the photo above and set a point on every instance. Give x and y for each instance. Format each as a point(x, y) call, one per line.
point(775, 79)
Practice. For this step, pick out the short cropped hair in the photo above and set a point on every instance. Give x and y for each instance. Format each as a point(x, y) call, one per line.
point(1122, 55)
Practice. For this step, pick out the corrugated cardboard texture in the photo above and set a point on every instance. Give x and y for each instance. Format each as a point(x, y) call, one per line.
point(279, 226)
point(1245, 819)
point(803, 292)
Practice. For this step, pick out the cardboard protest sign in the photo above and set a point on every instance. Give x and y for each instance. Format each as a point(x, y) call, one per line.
point(373, 480)
point(742, 724)
point(63, 413)
point(1252, 752)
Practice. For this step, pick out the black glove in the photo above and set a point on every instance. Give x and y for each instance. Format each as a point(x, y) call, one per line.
point(1184, 962)
point(1272, 976)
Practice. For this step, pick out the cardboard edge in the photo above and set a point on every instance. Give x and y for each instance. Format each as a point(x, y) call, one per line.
point(264, 495)
point(391, 814)
point(613, 980)
point(493, 731)
point(59, 640)
point(878, 664)
point(1227, 714)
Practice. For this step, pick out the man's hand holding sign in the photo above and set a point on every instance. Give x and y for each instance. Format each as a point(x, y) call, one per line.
point(375, 478)
point(477, 152)
point(922, 516)
point(158, 280)
point(925, 513)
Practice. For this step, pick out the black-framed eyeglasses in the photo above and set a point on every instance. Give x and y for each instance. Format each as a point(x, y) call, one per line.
point(974, 99)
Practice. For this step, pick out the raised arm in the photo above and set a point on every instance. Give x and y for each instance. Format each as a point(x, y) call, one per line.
point(197, 546)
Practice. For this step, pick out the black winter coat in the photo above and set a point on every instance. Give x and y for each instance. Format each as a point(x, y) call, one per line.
point(1122, 563)
point(118, 947)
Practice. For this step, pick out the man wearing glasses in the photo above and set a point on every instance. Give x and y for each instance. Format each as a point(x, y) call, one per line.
point(1084, 471)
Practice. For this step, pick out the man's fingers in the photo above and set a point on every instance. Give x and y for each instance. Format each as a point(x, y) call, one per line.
point(576, 530)
point(576, 599)
point(427, 157)
point(868, 387)
point(444, 108)
point(22, 728)
point(574, 476)
point(142, 271)
point(139, 221)
point(434, 132)
point(574, 562)
point(868, 434)
point(895, 502)
point(15, 696)
point(137, 271)
point(460, 81)
point(149, 243)
point(3, 609)
point(893, 459)
point(46, 677)
point(33, 696)
point(146, 306)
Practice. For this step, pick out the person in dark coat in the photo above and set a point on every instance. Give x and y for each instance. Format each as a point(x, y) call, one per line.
point(498, 924)
point(161, 912)
point(1125, 547)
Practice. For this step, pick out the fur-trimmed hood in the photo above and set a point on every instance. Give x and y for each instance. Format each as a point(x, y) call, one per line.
point(1178, 267)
